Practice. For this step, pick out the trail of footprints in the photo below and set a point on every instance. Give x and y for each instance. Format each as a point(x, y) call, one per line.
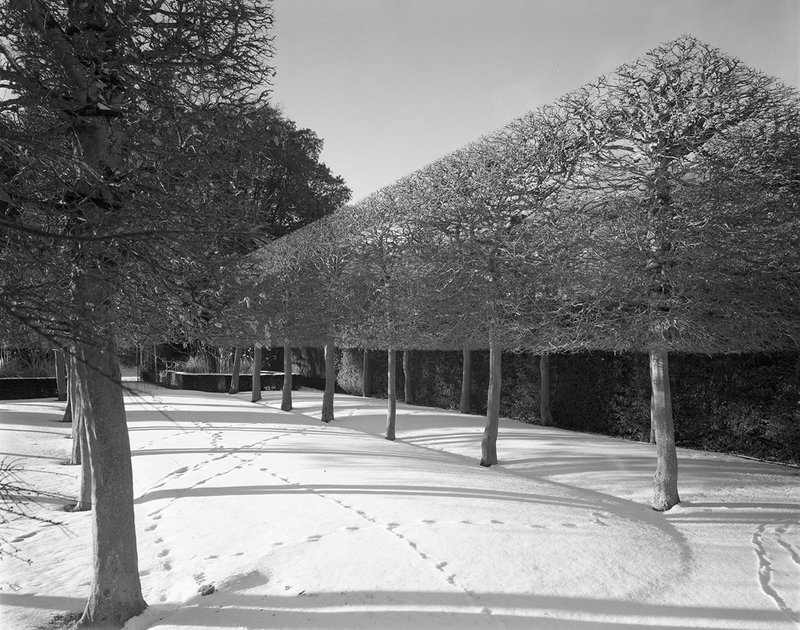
point(163, 553)
point(392, 528)
point(768, 539)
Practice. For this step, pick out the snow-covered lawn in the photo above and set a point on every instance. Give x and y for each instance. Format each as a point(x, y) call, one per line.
point(303, 525)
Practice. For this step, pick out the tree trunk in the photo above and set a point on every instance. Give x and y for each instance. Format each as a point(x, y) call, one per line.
point(256, 396)
point(489, 441)
point(155, 364)
point(115, 593)
point(466, 380)
point(286, 394)
point(237, 366)
point(67, 417)
point(61, 374)
point(212, 359)
point(408, 378)
point(665, 483)
point(545, 413)
point(391, 412)
point(84, 502)
point(330, 381)
point(366, 374)
point(76, 409)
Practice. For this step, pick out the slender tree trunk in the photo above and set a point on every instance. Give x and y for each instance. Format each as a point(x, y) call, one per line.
point(391, 412)
point(67, 417)
point(76, 409)
point(212, 359)
point(489, 442)
point(408, 378)
point(366, 374)
point(155, 364)
point(330, 381)
point(545, 413)
point(80, 441)
point(237, 366)
point(115, 593)
point(61, 374)
point(286, 394)
point(466, 380)
point(256, 396)
point(665, 483)
point(84, 502)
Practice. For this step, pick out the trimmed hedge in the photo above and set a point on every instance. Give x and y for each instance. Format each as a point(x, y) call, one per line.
point(222, 382)
point(17, 388)
point(747, 404)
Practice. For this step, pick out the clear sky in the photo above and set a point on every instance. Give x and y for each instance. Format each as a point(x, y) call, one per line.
point(391, 85)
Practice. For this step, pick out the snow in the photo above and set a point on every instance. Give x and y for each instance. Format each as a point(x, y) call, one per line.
point(298, 524)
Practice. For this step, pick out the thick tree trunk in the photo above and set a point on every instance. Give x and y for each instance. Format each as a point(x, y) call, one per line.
point(466, 381)
point(330, 381)
point(61, 374)
point(665, 483)
point(391, 412)
point(286, 394)
point(489, 441)
point(366, 374)
point(408, 378)
point(256, 393)
point(237, 366)
point(545, 413)
point(115, 594)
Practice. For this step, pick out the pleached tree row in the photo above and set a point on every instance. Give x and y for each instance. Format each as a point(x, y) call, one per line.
point(654, 210)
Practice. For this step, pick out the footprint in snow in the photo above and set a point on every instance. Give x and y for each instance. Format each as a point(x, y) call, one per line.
point(494, 522)
point(163, 552)
point(428, 521)
point(150, 528)
point(441, 565)
point(353, 528)
point(313, 538)
point(570, 525)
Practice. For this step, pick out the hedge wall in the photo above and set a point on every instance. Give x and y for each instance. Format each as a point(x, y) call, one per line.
point(745, 404)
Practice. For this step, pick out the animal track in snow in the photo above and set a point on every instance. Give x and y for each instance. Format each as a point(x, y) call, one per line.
point(767, 559)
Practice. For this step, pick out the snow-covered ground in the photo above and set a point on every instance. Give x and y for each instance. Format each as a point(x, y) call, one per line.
point(298, 524)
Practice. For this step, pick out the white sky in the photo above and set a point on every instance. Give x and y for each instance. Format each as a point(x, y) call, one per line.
point(391, 85)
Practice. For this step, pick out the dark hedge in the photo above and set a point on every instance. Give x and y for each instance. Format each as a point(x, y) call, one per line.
point(747, 404)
